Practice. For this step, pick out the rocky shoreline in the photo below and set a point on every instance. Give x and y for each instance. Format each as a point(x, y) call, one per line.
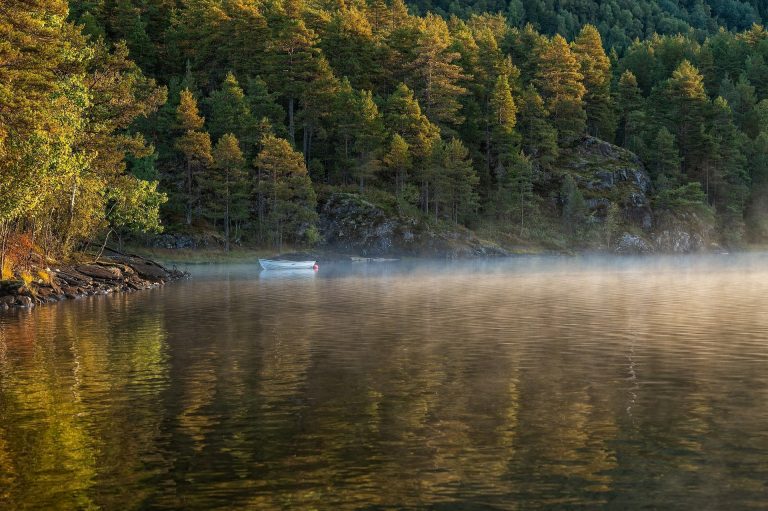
point(117, 273)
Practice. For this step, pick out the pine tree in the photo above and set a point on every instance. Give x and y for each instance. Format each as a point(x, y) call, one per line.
point(398, 161)
point(361, 130)
point(195, 146)
point(349, 45)
point(683, 107)
point(514, 197)
point(226, 184)
point(231, 113)
point(504, 142)
point(504, 112)
point(454, 181)
point(664, 164)
point(727, 183)
point(630, 103)
point(757, 205)
point(290, 198)
point(378, 15)
point(292, 61)
point(574, 206)
point(317, 101)
point(757, 73)
point(264, 105)
point(436, 77)
point(596, 69)
point(539, 137)
point(559, 80)
point(402, 115)
point(126, 23)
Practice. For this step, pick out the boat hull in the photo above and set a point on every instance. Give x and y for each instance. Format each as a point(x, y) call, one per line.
point(275, 264)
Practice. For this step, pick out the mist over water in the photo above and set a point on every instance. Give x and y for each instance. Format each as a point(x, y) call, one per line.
point(515, 384)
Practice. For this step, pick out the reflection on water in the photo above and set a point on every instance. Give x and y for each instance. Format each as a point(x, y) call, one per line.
point(530, 383)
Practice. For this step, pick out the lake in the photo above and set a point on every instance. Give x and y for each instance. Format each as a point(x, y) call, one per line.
point(524, 383)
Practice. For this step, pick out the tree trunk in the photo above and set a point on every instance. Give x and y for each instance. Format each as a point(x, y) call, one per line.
point(5, 229)
point(189, 191)
point(226, 216)
point(104, 245)
point(226, 230)
point(291, 126)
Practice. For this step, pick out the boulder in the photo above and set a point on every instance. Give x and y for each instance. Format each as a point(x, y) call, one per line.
point(24, 301)
point(99, 272)
point(679, 241)
point(149, 271)
point(631, 244)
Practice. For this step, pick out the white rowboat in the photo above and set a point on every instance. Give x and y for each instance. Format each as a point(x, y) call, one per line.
point(281, 264)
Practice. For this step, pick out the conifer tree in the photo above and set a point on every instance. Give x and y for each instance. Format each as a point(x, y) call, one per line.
point(728, 180)
point(317, 101)
point(126, 23)
point(361, 130)
point(596, 69)
point(398, 161)
point(264, 104)
point(195, 146)
point(436, 76)
point(539, 137)
point(402, 115)
point(683, 107)
point(629, 100)
point(503, 143)
point(514, 198)
point(226, 184)
point(559, 80)
point(454, 181)
point(664, 163)
point(290, 198)
point(292, 60)
point(348, 44)
point(574, 206)
point(231, 113)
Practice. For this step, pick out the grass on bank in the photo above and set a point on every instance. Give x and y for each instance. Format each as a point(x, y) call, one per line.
point(201, 255)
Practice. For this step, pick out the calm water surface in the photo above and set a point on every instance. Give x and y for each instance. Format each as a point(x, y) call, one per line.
point(524, 384)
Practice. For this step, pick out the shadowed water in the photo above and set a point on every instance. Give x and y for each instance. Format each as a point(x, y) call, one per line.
point(522, 384)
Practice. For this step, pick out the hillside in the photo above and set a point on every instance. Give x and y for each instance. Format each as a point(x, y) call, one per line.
point(619, 21)
point(242, 117)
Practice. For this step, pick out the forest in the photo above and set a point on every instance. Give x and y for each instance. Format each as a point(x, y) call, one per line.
point(239, 116)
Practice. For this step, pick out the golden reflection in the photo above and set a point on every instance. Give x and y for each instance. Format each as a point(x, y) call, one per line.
point(527, 389)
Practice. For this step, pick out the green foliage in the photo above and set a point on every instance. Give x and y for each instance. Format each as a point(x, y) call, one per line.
point(66, 128)
point(461, 117)
point(453, 181)
point(290, 199)
point(135, 205)
point(561, 84)
point(226, 184)
point(574, 207)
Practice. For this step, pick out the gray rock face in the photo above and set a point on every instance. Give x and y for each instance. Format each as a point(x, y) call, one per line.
point(679, 241)
point(683, 233)
point(609, 174)
point(352, 225)
point(630, 244)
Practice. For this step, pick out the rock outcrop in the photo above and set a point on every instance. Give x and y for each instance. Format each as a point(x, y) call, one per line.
point(113, 274)
point(352, 225)
point(608, 174)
